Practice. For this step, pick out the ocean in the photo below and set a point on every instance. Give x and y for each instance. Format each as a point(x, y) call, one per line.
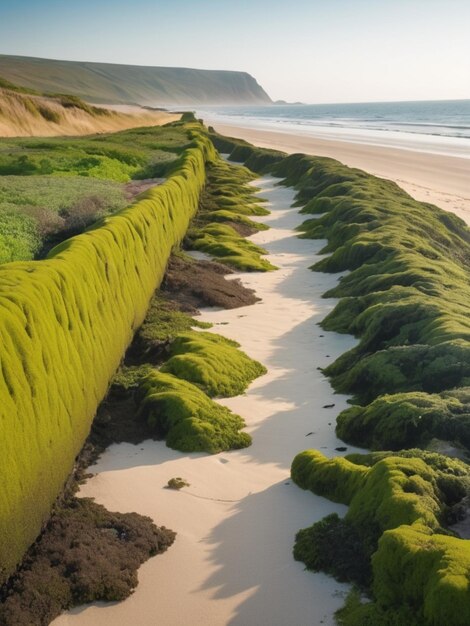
point(436, 126)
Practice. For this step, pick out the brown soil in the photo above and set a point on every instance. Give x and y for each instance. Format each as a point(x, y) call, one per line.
point(193, 284)
point(135, 187)
point(84, 555)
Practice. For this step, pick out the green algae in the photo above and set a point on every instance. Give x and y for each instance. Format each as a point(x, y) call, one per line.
point(397, 506)
point(212, 362)
point(65, 323)
point(188, 419)
point(408, 419)
point(220, 212)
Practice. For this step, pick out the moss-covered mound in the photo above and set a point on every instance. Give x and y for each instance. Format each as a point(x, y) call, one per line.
point(400, 420)
point(212, 362)
point(174, 401)
point(65, 323)
point(397, 511)
point(223, 217)
point(407, 291)
point(188, 419)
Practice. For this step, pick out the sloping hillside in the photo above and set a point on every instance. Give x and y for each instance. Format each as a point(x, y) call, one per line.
point(24, 114)
point(110, 83)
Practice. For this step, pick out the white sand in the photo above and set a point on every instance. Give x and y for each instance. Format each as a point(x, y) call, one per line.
point(232, 560)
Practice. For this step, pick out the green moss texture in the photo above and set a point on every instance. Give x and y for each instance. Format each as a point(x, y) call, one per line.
point(186, 416)
point(211, 362)
point(408, 419)
point(397, 505)
point(226, 204)
point(65, 323)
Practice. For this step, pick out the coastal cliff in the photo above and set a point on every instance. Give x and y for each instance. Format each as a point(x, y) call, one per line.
point(133, 84)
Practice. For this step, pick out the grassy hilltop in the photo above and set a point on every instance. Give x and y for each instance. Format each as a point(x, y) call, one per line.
point(110, 83)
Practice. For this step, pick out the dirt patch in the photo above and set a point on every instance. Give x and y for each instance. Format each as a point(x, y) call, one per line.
point(85, 554)
point(135, 187)
point(193, 284)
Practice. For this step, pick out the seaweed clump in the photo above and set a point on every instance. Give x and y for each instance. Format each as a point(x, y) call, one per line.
point(399, 504)
point(223, 219)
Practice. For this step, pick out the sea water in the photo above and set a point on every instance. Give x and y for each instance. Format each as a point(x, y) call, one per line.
point(440, 126)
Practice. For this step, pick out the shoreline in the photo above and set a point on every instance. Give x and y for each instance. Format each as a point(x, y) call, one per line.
point(437, 179)
point(232, 559)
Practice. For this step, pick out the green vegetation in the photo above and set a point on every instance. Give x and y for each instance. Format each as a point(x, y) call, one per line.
point(397, 511)
point(406, 296)
point(400, 420)
point(136, 153)
point(225, 205)
point(37, 209)
point(174, 401)
point(164, 323)
point(407, 293)
point(211, 362)
point(107, 82)
point(53, 189)
point(87, 298)
point(188, 419)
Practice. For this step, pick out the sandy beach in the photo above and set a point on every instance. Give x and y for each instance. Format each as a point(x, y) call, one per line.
point(232, 560)
point(439, 179)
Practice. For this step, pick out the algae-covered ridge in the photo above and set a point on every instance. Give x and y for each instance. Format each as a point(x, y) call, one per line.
point(177, 374)
point(397, 510)
point(405, 295)
point(223, 219)
point(66, 321)
point(87, 298)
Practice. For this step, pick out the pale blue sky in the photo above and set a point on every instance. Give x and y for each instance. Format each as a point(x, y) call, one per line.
point(309, 50)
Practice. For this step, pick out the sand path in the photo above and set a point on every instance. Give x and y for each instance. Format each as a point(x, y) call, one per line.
point(232, 560)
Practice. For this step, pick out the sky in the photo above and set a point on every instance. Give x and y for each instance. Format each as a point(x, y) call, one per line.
point(298, 50)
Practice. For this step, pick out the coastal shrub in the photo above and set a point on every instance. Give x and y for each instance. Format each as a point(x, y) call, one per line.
point(396, 511)
point(65, 323)
point(212, 362)
point(39, 210)
point(19, 237)
point(188, 419)
point(50, 115)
